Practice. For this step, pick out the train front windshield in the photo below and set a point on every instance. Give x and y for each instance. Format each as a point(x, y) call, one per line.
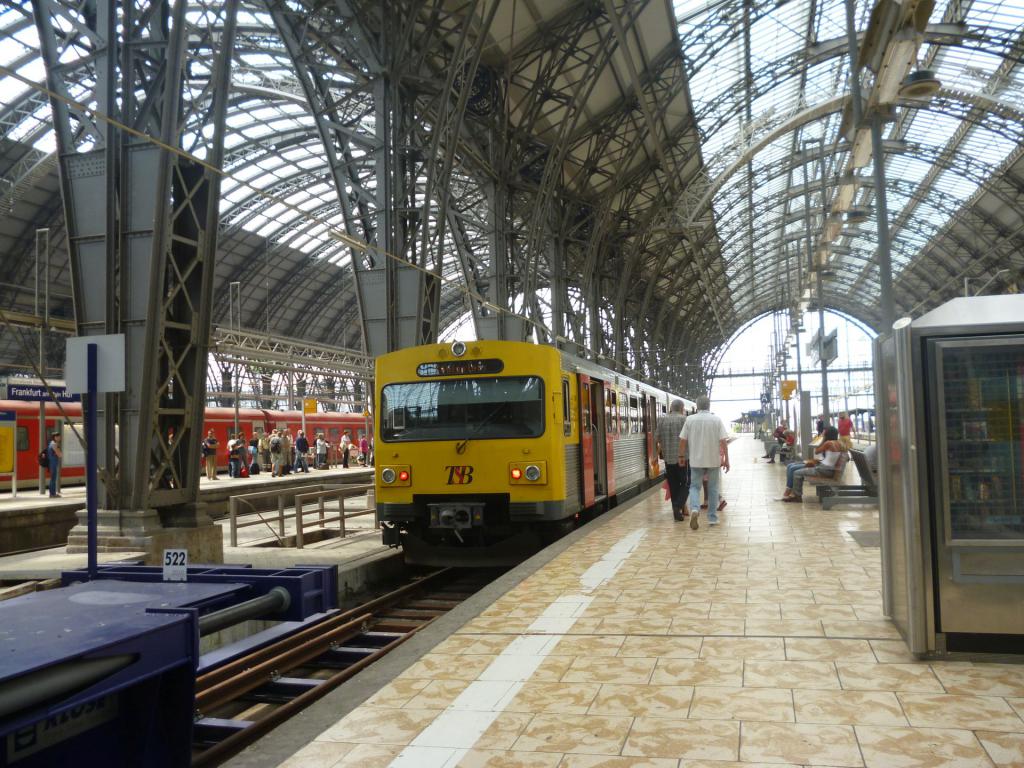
point(454, 409)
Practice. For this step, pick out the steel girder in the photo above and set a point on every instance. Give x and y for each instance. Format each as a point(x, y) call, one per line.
point(141, 221)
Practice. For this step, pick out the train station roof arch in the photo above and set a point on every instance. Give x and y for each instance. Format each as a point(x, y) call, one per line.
point(676, 148)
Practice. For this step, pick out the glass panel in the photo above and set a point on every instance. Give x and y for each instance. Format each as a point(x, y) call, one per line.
point(479, 408)
point(983, 391)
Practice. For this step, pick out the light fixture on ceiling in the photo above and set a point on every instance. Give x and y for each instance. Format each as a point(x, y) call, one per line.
point(920, 85)
point(857, 214)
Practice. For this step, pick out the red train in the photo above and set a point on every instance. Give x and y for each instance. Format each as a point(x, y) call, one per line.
point(220, 420)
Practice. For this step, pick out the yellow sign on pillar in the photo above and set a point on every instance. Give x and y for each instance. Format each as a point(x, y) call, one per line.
point(6, 449)
point(309, 405)
point(788, 388)
point(8, 425)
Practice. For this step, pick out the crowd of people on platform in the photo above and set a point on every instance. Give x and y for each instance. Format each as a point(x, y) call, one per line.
point(281, 453)
point(695, 449)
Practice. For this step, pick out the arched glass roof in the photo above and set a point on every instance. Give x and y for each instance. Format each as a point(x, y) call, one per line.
point(767, 87)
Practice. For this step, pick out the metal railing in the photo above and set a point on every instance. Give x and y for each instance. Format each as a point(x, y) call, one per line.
point(326, 494)
point(247, 498)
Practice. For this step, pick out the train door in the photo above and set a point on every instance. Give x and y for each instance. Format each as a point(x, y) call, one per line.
point(586, 443)
point(610, 433)
point(600, 440)
point(650, 423)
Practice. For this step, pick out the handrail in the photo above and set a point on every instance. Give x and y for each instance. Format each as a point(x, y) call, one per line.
point(248, 498)
point(341, 493)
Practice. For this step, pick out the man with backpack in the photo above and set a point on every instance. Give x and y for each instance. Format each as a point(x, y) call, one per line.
point(54, 455)
point(276, 454)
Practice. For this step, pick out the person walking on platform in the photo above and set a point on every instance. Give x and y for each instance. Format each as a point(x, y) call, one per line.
point(210, 455)
point(667, 435)
point(704, 445)
point(54, 456)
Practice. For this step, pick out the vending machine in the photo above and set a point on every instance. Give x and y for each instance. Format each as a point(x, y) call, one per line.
point(950, 401)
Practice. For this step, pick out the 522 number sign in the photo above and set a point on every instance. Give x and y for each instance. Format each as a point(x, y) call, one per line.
point(175, 565)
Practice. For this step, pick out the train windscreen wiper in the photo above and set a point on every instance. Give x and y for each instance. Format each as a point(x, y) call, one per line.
point(461, 446)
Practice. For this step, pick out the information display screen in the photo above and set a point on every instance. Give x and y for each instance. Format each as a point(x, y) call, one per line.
point(459, 367)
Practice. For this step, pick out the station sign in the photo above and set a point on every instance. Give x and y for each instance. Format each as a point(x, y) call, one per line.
point(788, 388)
point(309, 405)
point(33, 391)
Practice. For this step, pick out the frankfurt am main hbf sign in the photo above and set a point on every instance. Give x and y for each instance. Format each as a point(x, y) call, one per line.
point(33, 391)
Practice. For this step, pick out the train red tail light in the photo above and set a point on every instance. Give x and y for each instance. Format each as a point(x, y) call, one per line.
point(516, 473)
point(403, 476)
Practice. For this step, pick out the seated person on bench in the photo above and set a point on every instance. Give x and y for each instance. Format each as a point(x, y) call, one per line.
point(788, 441)
point(830, 450)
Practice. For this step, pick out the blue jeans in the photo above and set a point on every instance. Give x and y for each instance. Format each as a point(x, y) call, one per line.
point(54, 471)
point(800, 474)
point(697, 483)
point(234, 468)
point(301, 465)
point(797, 471)
point(792, 467)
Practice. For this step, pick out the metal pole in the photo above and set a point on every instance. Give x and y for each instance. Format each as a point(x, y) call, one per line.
point(886, 303)
point(90, 456)
point(235, 293)
point(821, 349)
point(42, 354)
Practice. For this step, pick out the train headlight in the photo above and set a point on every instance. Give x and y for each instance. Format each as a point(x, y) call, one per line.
point(396, 476)
point(534, 473)
point(458, 348)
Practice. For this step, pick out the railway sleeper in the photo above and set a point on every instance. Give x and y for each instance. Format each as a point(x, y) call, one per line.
point(281, 690)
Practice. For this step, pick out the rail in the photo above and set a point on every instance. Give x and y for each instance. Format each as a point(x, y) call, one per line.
point(248, 498)
point(324, 495)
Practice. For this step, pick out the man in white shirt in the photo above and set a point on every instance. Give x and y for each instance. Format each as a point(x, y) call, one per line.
point(704, 443)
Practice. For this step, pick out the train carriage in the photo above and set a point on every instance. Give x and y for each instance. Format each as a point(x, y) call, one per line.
point(487, 450)
point(221, 420)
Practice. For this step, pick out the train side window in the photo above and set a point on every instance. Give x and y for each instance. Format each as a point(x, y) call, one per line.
point(22, 439)
point(634, 416)
point(585, 410)
point(611, 425)
point(566, 408)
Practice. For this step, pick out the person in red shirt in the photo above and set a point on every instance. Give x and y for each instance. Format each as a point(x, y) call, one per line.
point(845, 426)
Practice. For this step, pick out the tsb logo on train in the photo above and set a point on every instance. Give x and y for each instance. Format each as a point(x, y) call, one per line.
point(459, 475)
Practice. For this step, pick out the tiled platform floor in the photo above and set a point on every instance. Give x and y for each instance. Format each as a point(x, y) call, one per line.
point(648, 645)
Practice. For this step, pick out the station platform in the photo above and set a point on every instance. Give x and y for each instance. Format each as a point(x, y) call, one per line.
point(637, 642)
point(29, 520)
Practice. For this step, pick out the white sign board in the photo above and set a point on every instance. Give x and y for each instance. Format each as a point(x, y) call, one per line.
point(175, 565)
point(109, 363)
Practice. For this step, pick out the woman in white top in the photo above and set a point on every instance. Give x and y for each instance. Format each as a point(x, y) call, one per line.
point(321, 451)
point(829, 450)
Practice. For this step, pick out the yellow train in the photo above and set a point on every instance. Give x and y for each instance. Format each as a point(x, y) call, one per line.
point(487, 450)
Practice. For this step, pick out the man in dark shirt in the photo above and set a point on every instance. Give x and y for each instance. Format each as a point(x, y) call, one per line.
point(210, 455)
point(301, 450)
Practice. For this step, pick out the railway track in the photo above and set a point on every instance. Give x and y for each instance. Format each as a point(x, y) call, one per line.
point(239, 701)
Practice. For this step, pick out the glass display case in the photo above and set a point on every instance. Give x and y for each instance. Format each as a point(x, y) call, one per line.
point(982, 439)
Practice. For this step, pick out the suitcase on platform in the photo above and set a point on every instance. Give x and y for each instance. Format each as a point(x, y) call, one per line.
point(254, 468)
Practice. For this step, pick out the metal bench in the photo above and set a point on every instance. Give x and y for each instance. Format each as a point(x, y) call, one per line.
point(834, 494)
